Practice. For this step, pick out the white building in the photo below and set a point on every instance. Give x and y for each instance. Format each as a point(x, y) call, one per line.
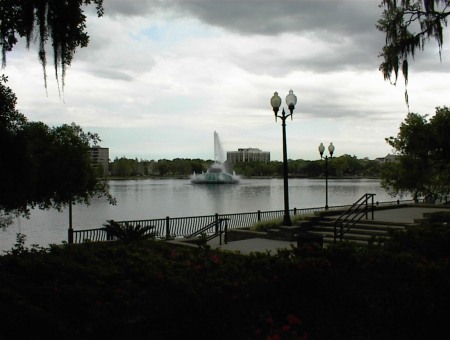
point(248, 155)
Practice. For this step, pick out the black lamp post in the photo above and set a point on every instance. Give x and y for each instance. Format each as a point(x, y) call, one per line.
point(275, 101)
point(331, 151)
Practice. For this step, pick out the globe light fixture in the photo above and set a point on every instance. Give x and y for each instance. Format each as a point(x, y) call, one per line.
point(291, 101)
point(321, 151)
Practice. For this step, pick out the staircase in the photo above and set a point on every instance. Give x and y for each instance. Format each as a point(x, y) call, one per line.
point(215, 229)
point(363, 232)
point(356, 224)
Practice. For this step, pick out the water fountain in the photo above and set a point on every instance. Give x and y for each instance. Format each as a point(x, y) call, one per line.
point(216, 173)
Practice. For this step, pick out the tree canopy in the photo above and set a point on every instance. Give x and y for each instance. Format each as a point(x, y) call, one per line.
point(43, 166)
point(423, 164)
point(61, 22)
point(408, 24)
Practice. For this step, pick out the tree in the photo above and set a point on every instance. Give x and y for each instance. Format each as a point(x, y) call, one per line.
point(63, 22)
point(42, 166)
point(408, 24)
point(423, 164)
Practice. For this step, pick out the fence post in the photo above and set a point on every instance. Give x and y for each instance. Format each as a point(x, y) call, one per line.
point(373, 208)
point(220, 231)
point(226, 231)
point(167, 228)
point(259, 215)
point(295, 211)
point(216, 218)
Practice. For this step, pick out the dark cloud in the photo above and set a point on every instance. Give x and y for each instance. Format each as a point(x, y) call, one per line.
point(268, 17)
point(347, 25)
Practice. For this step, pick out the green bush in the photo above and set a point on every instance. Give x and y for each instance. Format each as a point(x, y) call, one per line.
point(152, 289)
point(277, 222)
point(431, 241)
point(127, 232)
point(266, 225)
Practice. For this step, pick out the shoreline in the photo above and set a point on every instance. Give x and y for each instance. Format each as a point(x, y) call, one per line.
point(128, 178)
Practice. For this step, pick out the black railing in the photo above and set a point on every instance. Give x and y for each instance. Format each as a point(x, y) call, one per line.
point(97, 234)
point(219, 229)
point(177, 227)
point(353, 215)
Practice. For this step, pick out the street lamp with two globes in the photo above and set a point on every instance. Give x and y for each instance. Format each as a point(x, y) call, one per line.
point(331, 151)
point(275, 101)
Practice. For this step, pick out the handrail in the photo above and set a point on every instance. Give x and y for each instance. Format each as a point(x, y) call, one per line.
point(353, 215)
point(173, 227)
point(218, 230)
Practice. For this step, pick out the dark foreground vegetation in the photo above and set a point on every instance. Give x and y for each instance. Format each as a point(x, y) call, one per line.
point(155, 290)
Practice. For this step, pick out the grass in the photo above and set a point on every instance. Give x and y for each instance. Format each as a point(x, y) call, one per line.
point(277, 222)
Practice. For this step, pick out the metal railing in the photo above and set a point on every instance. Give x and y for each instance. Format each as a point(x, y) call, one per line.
point(97, 234)
point(353, 215)
point(177, 227)
point(218, 230)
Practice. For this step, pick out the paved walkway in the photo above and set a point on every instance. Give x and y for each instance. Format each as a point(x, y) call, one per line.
point(396, 215)
point(404, 215)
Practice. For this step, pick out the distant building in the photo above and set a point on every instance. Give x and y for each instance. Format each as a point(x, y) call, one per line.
point(389, 158)
point(248, 155)
point(100, 159)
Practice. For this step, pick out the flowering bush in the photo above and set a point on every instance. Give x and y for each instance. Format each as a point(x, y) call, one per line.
point(158, 290)
point(290, 328)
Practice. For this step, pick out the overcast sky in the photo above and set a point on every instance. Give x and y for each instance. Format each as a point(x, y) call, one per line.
point(159, 77)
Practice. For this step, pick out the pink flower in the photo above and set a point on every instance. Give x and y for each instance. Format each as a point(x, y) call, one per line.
point(293, 320)
point(215, 258)
point(286, 328)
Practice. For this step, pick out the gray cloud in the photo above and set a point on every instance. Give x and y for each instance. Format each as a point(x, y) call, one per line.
point(347, 25)
point(266, 17)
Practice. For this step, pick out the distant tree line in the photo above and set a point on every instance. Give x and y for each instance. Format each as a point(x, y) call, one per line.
point(343, 166)
point(178, 167)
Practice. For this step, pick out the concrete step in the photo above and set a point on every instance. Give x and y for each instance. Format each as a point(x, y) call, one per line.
point(361, 233)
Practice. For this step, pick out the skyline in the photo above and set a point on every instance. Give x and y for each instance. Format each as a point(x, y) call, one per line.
point(159, 77)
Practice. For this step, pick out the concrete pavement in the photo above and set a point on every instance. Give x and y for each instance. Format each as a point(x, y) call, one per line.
point(254, 245)
point(405, 215)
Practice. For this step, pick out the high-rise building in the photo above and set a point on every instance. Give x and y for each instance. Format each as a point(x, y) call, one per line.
point(248, 155)
point(100, 159)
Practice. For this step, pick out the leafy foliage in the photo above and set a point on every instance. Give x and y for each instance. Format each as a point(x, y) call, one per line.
point(277, 222)
point(42, 166)
point(128, 232)
point(157, 290)
point(63, 22)
point(408, 24)
point(423, 164)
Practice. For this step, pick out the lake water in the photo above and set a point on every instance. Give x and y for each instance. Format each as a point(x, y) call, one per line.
point(158, 198)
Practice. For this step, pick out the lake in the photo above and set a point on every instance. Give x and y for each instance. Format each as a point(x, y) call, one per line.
point(158, 198)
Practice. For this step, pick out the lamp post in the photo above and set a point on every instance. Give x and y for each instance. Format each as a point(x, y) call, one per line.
point(321, 151)
point(275, 101)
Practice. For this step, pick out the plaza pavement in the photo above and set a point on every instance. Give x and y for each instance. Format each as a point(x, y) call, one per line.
point(405, 215)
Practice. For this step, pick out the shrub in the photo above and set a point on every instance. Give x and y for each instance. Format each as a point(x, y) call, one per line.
point(128, 233)
point(276, 222)
point(265, 225)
